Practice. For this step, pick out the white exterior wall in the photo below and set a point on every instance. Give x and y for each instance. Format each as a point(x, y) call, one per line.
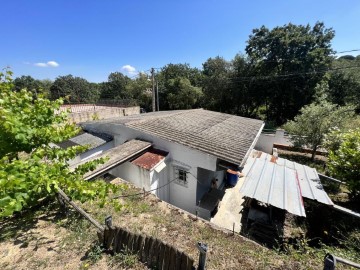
point(180, 196)
point(266, 141)
point(133, 174)
point(92, 152)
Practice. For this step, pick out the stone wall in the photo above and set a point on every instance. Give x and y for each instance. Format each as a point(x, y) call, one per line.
point(98, 113)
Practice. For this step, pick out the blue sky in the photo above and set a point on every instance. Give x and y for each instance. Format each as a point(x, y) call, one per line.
point(92, 38)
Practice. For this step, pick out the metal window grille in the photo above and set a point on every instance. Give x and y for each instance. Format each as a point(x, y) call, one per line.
point(181, 176)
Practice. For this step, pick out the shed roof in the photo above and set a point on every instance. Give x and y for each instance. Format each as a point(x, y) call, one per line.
point(273, 184)
point(281, 183)
point(117, 155)
point(225, 136)
point(308, 177)
point(150, 158)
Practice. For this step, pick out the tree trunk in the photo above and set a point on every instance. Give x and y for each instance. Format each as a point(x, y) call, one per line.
point(313, 153)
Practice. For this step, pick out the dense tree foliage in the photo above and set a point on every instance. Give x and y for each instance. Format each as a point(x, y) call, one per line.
point(290, 60)
point(31, 170)
point(344, 158)
point(76, 89)
point(34, 86)
point(309, 128)
point(116, 87)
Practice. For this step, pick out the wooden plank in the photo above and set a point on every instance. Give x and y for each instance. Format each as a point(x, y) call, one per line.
point(154, 252)
point(178, 257)
point(119, 240)
point(190, 263)
point(80, 210)
point(166, 262)
point(106, 236)
point(130, 241)
point(184, 261)
point(172, 256)
point(135, 242)
point(161, 255)
point(125, 239)
point(150, 246)
point(145, 251)
point(110, 239)
point(140, 245)
point(116, 237)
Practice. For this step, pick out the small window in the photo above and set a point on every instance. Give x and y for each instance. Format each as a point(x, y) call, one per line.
point(181, 176)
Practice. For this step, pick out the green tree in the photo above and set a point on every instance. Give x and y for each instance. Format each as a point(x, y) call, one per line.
point(166, 77)
point(141, 89)
point(344, 158)
point(216, 84)
point(182, 95)
point(31, 170)
point(116, 87)
point(247, 95)
point(76, 89)
point(344, 83)
point(309, 128)
point(290, 60)
point(34, 86)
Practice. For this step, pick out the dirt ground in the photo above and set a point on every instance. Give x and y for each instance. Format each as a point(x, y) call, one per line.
point(43, 239)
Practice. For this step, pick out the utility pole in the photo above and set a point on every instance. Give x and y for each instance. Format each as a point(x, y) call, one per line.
point(157, 96)
point(153, 89)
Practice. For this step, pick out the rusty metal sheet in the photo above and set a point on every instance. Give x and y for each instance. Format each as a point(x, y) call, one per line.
point(150, 159)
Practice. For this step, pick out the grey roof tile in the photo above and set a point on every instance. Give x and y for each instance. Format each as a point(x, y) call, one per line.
point(225, 136)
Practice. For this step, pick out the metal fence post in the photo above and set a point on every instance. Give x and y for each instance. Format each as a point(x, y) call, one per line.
point(202, 256)
point(329, 262)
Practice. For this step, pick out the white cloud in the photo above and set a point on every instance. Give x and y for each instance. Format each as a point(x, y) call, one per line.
point(52, 64)
point(48, 64)
point(129, 69)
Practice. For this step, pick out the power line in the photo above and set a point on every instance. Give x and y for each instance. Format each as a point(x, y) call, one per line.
point(249, 78)
point(355, 50)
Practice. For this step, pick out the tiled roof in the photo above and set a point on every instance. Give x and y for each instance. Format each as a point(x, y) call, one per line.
point(85, 138)
point(225, 136)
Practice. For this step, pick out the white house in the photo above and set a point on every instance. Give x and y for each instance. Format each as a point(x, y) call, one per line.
point(97, 143)
point(190, 149)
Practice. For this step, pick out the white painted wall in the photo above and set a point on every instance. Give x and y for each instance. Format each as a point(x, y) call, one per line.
point(266, 141)
point(180, 196)
point(140, 177)
point(92, 152)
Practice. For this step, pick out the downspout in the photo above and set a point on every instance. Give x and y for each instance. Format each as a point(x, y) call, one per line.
point(241, 166)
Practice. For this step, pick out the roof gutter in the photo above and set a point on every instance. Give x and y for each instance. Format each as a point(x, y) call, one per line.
point(251, 147)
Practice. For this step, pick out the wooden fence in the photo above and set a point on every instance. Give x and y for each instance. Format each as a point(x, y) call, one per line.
point(151, 251)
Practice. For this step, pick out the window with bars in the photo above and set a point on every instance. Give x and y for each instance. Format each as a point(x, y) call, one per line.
point(181, 176)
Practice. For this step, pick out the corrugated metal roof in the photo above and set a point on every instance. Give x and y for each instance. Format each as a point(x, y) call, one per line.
point(225, 136)
point(309, 179)
point(281, 183)
point(150, 159)
point(273, 184)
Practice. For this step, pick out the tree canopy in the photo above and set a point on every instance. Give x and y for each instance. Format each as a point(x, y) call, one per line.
point(309, 128)
point(76, 89)
point(344, 158)
point(30, 169)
